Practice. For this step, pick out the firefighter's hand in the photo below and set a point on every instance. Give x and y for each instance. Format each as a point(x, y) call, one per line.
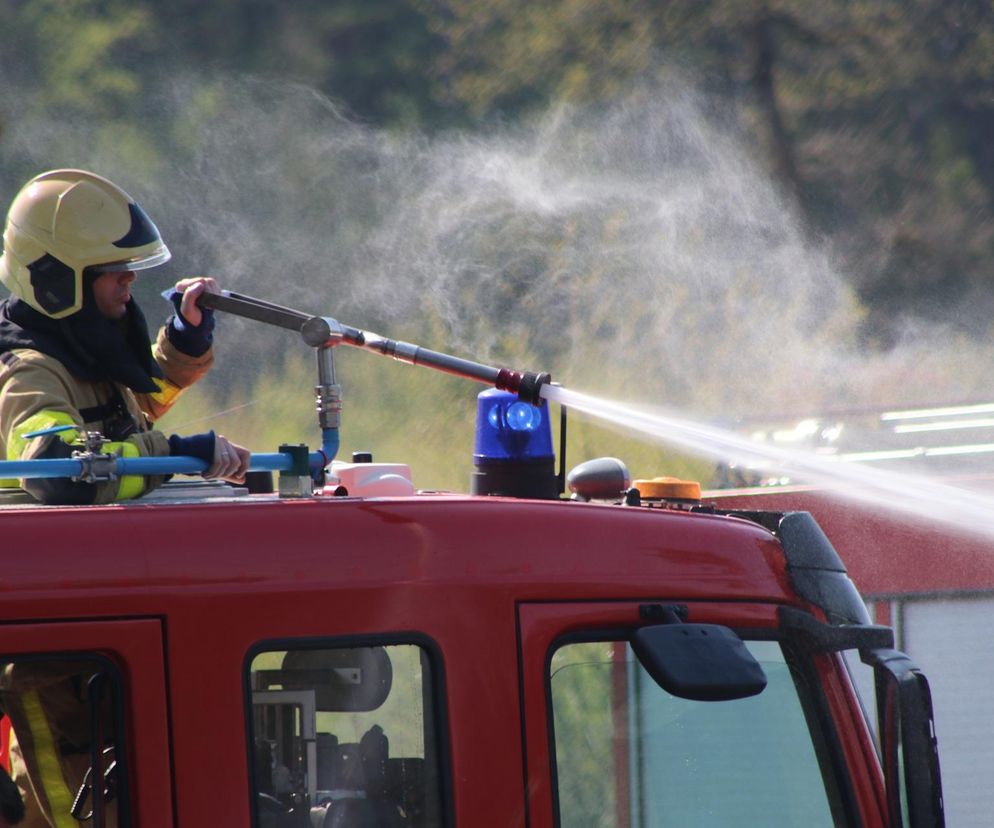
point(231, 461)
point(191, 289)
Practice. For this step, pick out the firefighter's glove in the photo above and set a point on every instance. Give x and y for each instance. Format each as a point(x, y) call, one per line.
point(193, 340)
point(225, 460)
point(200, 446)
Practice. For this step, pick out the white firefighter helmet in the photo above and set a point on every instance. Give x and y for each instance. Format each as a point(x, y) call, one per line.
point(63, 222)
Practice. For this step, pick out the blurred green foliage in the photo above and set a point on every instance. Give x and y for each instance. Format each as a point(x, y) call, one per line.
point(874, 119)
point(587, 733)
point(876, 116)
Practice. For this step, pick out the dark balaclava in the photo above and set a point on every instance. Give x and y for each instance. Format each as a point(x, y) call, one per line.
point(91, 346)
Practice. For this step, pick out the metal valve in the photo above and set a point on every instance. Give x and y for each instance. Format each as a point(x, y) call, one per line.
point(95, 466)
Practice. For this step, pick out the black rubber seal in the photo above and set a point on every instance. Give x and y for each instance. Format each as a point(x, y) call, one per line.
point(531, 386)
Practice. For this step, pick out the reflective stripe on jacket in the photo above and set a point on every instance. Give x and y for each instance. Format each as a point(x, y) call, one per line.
point(37, 392)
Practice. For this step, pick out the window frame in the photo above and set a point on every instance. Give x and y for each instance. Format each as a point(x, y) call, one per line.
point(439, 701)
point(122, 753)
point(136, 648)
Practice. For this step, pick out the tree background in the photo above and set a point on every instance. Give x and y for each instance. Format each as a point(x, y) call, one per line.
point(732, 208)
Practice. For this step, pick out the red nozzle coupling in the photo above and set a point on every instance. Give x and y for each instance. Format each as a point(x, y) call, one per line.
point(508, 380)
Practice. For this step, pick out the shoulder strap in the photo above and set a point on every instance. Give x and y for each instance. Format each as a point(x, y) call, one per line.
point(118, 423)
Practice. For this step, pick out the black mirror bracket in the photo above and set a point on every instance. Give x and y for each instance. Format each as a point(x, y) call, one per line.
point(664, 613)
point(830, 638)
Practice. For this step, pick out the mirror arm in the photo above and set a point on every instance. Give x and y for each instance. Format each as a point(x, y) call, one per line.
point(830, 638)
point(664, 613)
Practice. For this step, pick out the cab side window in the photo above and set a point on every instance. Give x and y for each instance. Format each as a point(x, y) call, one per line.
point(628, 753)
point(344, 736)
point(64, 743)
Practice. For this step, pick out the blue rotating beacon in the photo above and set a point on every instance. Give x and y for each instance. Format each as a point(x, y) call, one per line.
point(513, 456)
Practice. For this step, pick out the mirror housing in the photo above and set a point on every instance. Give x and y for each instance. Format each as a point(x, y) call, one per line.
point(702, 662)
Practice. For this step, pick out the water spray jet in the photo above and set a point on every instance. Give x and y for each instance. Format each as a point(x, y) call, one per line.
point(925, 498)
point(933, 500)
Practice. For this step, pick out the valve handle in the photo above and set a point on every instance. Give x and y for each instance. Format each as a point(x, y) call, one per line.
point(41, 432)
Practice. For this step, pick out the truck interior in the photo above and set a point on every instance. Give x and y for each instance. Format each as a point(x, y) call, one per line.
point(344, 738)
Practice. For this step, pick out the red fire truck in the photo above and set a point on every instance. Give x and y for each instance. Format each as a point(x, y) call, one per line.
point(926, 571)
point(482, 648)
point(934, 584)
point(354, 652)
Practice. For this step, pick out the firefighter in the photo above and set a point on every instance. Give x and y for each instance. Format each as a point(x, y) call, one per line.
point(74, 346)
point(50, 704)
point(75, 351)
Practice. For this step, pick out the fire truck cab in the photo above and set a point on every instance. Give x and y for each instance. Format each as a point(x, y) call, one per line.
point(438, 659)
point(354, 652)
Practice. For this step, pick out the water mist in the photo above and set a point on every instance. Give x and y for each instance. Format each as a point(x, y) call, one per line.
point(636, 248)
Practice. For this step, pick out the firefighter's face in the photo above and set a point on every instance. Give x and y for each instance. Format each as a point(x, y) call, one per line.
point(112, 292)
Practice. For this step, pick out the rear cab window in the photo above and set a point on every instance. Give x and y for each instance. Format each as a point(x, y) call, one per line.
point(343, 735)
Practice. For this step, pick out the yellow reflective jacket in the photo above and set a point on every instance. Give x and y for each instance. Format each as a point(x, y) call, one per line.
point(37, 392)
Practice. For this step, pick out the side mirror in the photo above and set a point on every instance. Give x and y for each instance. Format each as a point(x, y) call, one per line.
point(907, 740)
point(702, 662)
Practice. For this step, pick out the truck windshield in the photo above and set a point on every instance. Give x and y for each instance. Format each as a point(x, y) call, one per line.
point(627, 753)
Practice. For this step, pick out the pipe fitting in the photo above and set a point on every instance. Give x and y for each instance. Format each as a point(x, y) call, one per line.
point(321, 331)
point(328, 402)
point(530, 387)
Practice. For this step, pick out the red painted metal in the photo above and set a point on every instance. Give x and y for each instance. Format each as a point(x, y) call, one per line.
point(856, 743)
point(887, 553)
point(182, 592)
point(5, 743)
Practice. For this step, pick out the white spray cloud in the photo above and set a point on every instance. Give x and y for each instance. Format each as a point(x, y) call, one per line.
point(637, 248)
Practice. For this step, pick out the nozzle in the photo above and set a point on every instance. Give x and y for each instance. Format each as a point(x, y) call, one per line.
point(527, 385)
point(530, 389)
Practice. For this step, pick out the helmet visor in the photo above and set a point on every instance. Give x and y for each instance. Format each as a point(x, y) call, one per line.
point(161, 256)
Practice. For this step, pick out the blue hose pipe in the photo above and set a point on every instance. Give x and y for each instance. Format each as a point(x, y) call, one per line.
point(329, 443)
point(72, 467)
